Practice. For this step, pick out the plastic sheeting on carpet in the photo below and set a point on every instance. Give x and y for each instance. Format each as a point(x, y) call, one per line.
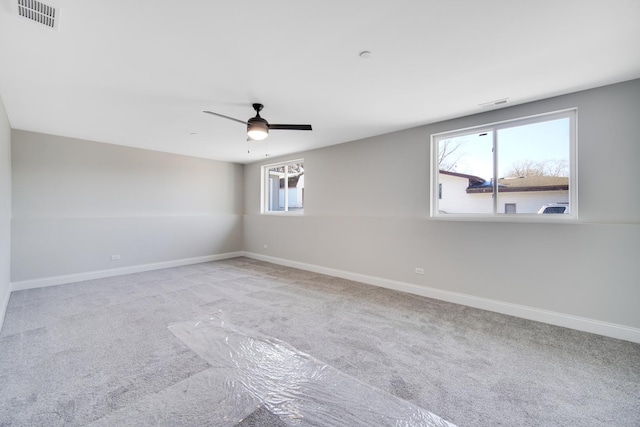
point(300, 390)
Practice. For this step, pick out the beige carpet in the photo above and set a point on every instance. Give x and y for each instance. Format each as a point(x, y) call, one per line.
point(100, 352)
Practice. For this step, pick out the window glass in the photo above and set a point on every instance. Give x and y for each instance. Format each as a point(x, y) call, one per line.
point(466, 161)
point(283, 187)
point(489, 170)
point(533, 164)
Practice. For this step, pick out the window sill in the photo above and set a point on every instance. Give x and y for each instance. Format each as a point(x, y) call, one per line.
point(516, 218)
point(283, 213)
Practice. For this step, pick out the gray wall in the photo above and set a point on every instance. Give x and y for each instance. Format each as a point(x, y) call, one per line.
point(367, 212)
point(5, 209)
point(76, 203)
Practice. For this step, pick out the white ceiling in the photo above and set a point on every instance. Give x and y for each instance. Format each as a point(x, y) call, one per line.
point(139, 73)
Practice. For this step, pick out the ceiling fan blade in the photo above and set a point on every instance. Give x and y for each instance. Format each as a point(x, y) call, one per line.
point(290, 127)
point(225, 117)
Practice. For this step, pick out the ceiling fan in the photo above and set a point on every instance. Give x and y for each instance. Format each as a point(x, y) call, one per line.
point(257, 127)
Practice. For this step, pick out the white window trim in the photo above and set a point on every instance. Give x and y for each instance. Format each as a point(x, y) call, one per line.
point(264, 202)
point(571, 113)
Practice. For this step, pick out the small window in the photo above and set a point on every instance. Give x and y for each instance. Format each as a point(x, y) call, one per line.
point(283, 187)
point(489, 170)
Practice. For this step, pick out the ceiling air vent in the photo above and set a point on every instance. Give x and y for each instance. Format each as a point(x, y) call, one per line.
point(493, 103)
point(39, 12)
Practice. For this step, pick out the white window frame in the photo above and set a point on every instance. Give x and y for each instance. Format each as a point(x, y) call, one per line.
point(264, 191)
point(571, 113)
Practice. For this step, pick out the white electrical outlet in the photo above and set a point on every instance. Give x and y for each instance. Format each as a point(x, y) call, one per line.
point(266, 246)
point(419, 270)
point(115, 257)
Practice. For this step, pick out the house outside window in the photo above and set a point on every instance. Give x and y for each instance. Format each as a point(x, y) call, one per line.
point(491, 169)
point(283, 187)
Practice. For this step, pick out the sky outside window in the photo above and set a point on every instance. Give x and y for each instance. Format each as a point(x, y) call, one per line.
point(541, 143)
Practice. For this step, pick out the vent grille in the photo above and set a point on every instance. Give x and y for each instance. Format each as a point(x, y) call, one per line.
point(38, 12)
point(494, 103)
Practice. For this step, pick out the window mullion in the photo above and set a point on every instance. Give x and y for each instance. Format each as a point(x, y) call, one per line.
point(264, 191)
point(286, 188)
point(494, 142)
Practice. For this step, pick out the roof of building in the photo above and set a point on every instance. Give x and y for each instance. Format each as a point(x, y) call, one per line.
point(523, 183)
point(473, 179)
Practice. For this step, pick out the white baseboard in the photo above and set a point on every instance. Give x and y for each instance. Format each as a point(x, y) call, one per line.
point(78, 277)
point(4, 303)
point(565, 320)
point(554, 318)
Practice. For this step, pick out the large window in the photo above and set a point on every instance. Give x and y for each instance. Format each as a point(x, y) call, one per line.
point(283, 187)
point(488, 171)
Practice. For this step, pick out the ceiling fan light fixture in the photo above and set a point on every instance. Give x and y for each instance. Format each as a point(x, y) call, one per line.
point(257, 128)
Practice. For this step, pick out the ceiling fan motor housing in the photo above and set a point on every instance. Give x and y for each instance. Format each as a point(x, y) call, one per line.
point(257, 128)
